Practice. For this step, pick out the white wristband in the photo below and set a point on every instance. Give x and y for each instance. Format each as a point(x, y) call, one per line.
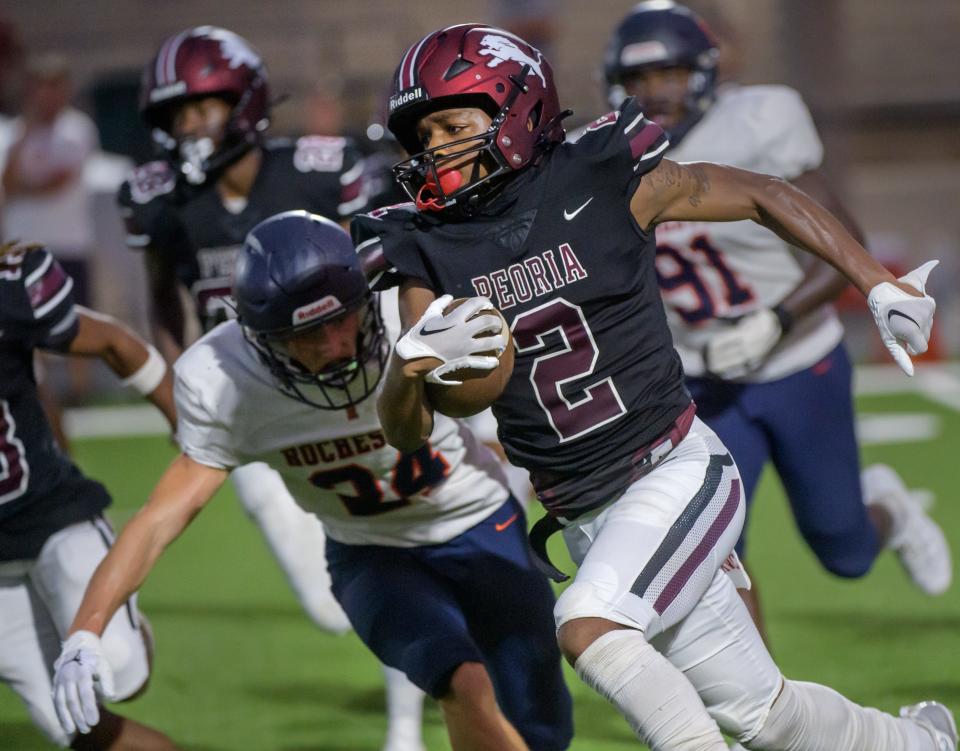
point(149, 375)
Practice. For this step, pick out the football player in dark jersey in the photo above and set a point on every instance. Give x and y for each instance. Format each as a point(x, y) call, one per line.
point(52, 531)
point(560, 238)
point(206, 96)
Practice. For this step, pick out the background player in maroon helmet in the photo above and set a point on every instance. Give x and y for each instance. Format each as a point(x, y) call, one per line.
point(206, 96)
point(559, 237)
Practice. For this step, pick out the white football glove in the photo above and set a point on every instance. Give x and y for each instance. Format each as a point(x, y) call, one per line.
point(81, 675)
point(736, 351)
point(452, 338)
point(904, 320)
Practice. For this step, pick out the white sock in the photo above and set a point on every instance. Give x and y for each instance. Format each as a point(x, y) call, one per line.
point(810, 717)
point(660, 704)
point(296, 540)
point(404, 712)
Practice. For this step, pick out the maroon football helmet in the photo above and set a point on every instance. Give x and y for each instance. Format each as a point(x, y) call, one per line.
point(472, 65)
point(198, 62)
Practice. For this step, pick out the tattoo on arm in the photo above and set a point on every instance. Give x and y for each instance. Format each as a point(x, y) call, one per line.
point(690, 180)
point(666, 177)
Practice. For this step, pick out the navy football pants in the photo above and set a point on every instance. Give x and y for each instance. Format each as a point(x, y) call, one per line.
point(804, 424)
point(476, 598)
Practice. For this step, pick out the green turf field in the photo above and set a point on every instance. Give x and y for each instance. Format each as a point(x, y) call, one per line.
point(239, 669)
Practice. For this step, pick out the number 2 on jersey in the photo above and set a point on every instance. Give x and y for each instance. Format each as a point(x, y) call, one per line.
point(572, 411)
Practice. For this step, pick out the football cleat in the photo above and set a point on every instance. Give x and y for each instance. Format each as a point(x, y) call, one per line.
point(937, 720)
point(916, 538)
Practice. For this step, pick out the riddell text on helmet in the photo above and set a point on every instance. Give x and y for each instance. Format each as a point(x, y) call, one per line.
point(405, 97)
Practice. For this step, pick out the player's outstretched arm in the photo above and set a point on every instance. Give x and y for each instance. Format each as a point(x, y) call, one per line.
point(132, 359)
point(704, 192)
point(821, 283)
point(713, 193)
point(183, 490)
point(746, 342)
point(81, 671)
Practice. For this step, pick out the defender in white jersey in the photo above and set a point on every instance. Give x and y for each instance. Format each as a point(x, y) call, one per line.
point(427, 551)
point(751, 318)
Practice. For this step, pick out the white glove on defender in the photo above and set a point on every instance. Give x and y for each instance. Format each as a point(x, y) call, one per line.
point(736, 351)
point(452, 338)
point(904, 320)
point(81, 675)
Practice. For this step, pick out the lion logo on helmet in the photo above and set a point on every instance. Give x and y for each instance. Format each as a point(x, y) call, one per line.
point(501, 50)
point(233, 47)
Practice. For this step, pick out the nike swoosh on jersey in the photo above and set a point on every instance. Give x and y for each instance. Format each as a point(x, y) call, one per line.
point(424, 331)
point(893, 313)
point(569, 215)
point(500, 526)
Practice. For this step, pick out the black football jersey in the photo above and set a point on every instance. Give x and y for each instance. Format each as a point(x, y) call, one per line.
point(596, 377)
point(41, 491)
point(201, 236)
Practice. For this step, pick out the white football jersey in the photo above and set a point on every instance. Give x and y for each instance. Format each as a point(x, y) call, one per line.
point(719, 270)
point(335, 465)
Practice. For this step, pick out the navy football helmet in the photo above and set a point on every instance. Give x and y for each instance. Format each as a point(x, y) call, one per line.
point(663, 34)
point(298, 271)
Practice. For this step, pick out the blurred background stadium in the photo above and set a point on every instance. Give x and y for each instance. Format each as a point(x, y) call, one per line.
point(239, 667)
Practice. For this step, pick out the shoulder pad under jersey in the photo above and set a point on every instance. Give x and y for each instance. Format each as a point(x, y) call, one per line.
point(320, 153)
point(149, 181)
point(623, 142)
point(375, 232)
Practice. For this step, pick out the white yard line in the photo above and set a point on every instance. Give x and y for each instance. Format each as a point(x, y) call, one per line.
point(903, 427)
point(938, 383)
point(111, 422)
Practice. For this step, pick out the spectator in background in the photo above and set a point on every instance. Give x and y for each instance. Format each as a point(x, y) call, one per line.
point(45, 200)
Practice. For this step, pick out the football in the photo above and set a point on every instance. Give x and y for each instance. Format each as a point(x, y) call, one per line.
point(480, 388)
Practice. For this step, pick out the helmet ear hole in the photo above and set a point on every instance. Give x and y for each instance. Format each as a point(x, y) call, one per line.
point(535, 115)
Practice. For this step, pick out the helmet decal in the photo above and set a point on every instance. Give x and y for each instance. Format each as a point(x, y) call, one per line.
point(501, 49)
point(166, 63)
point(407, 71)
point(314, 310)
point(233, 47)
